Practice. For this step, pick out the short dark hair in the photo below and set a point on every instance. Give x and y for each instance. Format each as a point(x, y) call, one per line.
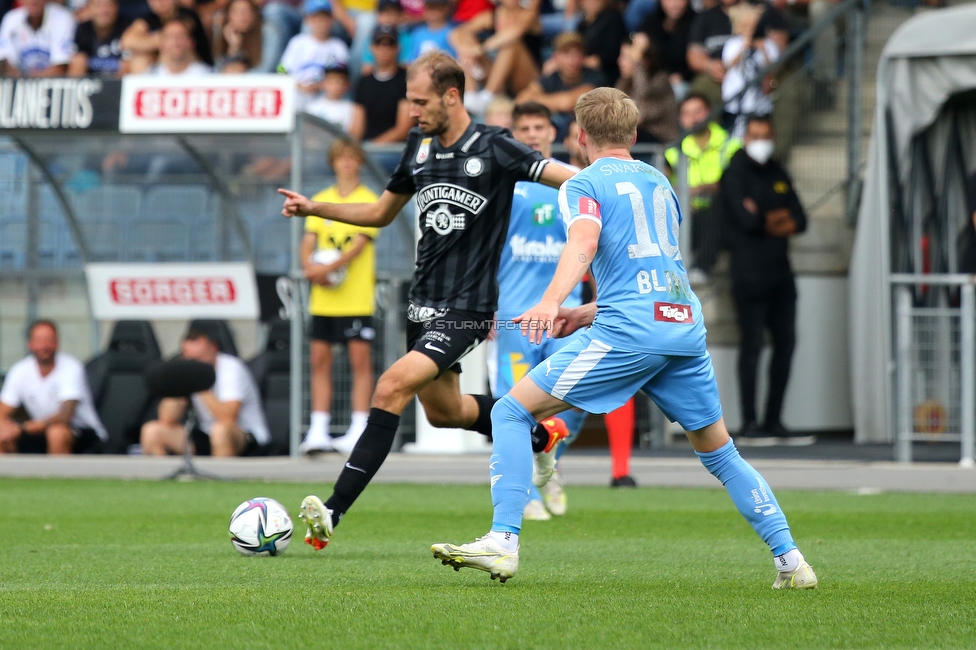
point(761, 118)
point(700, 97)
point(531, 108)
point(445, 73)
point(195, 333)
point(41, 322)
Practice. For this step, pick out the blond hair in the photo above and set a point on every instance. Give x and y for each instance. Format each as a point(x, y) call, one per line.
point(608, 117)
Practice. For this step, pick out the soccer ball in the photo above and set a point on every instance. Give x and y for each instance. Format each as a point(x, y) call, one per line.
point(328, 256)
point(260, 526)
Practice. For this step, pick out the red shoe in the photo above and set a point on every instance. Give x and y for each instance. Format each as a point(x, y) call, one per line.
point(545, 460)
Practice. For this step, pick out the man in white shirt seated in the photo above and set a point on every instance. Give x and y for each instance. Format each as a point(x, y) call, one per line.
point(52, 388)
point(230, 418)
point(36, 40)
point(177, 51)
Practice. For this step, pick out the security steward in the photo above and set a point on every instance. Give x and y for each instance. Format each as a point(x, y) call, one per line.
point(762, 212)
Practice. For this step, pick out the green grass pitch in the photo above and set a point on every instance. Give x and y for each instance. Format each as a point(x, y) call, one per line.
point(139, 564)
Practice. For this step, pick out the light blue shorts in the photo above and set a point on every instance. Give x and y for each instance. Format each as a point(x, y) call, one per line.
point(511, 357)
point(597, 378)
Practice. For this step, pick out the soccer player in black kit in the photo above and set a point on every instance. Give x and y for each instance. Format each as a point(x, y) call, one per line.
point(464, 175)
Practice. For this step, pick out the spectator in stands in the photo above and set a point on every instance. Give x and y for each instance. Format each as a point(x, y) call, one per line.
point(341, 309)
point(382, 93)
point(177, 51)
point(603, 30)
point(668, 26)
point(571, 143)
point(230, 418)
point(98, 48)
point(499, 112)
point(559, 91)
point(282, 20)
point(709, 32)
point(801, 15)
point(389, 14)
point(141, 41)
point(504, 62)
point(308, 55)
point(647, 83)
point(762, 212)
point(334, 107)
point(744, 57)
point(36, 40)
point(358, 18)
point(237, 44)
point(708, 148)
point(434, 32)
point(52, 389)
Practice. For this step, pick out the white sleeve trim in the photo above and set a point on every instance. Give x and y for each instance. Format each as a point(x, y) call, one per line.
point(581, 217)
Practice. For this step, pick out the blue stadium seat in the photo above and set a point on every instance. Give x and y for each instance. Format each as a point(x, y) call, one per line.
point(157, 241)
point(102, 214)
point(13, 240)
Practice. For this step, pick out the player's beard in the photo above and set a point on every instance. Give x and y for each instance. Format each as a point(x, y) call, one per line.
point(438, 122)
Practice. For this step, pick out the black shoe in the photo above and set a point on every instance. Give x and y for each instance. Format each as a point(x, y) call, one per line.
point(791, 438)
point(623, 482)
point(752, 436)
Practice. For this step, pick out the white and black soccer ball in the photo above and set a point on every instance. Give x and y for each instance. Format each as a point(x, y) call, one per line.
point(327, 256)
point(260, 526)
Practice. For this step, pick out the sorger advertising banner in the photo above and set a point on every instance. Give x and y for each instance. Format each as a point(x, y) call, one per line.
point(172, 291)
point(253, 103)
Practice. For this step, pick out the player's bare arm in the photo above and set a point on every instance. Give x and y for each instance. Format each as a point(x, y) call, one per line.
point(63, 416)
point(571, 319)
point(224, 412)
point(373, 215)
point(584, 237)
point(556, 175)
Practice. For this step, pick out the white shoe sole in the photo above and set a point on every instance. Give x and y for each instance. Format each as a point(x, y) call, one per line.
point(501, 569)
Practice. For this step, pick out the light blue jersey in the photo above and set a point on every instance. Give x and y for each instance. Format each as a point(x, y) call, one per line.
point(536, 237)
point(644, 301)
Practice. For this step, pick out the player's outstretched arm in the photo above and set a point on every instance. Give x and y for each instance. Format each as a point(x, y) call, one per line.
point(584, 237)
point(571, 319)
point(556, 175)
point(373, 215)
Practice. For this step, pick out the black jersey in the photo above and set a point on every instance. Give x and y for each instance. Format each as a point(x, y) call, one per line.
point(464, 200)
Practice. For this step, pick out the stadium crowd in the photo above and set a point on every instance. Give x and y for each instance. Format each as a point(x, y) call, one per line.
point(348, 56)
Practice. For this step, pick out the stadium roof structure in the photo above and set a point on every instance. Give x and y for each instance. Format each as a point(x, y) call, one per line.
point(922, 151)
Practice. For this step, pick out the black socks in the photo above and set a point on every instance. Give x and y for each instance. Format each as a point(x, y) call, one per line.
point(483, 424)
point(540, 438)
point(366, 458)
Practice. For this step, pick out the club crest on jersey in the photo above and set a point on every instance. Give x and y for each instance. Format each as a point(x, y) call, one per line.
point(589, 207)
point(443, 221)
point(452, 194)
point(672, 313)
point(424, 151)
point(473, 167)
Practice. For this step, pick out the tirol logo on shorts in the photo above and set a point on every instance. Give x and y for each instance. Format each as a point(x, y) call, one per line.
point(672, 313)
point(589, 207)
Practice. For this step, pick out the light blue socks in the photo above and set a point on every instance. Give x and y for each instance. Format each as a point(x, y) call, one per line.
point(751, 495)
point(510, 466)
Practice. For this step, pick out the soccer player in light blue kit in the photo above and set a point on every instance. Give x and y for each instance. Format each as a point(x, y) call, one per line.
point(646, 333)
point(535, 239)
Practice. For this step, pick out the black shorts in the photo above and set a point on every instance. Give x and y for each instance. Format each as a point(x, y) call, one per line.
point(339, 329)
point(446, 335)
point(201, 443)
point(86, 442)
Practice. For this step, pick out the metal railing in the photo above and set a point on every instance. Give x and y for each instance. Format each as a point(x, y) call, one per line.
point(934, 362)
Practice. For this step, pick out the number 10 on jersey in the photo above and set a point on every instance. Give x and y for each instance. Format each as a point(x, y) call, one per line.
point(646, 246)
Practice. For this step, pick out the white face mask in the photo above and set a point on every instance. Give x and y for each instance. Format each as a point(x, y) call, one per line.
point(760, 150)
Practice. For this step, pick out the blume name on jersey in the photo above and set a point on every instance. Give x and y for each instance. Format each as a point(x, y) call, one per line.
point(47, 103)
point(450, 193)
point(533, 250)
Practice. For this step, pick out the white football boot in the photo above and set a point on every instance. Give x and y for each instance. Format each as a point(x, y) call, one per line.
point(484, 554)
point(802, 577)
point(318, 521)
point(535, 510)
point(554, 496)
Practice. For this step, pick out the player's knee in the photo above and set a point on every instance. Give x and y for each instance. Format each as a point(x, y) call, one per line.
point(225, 439)
point(60, 439)
point(508, 412)
point(390, 394)
point(439, 417)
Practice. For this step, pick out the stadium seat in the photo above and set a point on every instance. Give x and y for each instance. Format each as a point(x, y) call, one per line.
point(186, 203)
point(271, 370)
point(13, 241)
point(219, 331)
point(117, 384)
point(273, 245)
point(158, 241)
point(102, 212)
